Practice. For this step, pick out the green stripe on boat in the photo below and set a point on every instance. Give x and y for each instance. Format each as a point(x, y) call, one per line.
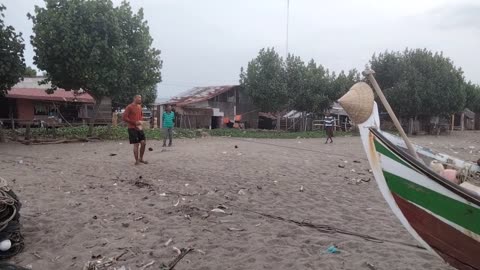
point(379, 147)
point(462, 214)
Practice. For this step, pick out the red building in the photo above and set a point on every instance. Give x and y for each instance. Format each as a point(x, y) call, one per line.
point(28, 102)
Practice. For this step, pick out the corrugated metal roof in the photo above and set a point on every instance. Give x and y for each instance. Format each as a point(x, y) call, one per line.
point(199, 94)
point(29, 89)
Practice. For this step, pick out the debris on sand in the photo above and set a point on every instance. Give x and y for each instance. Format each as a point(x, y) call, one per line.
point(168, 242)
point(333, 249)
point(341, 166)
point(218, 210)
point(236, 146)
point(370, 266)
point(141, 184)
point(301, 189)
point(112, 155)
point(150, 149)
point(236, 229)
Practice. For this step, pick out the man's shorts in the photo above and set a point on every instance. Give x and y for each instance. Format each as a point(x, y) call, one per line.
point(329, 131)
point(135, 135)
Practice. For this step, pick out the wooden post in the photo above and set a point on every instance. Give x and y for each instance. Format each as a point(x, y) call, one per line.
point(462, 122)
point(12, 121)
point(114, 119)
point(2, 134)
point(27, 132)
point(453, 121)
point(369, 74)
point(160, 117)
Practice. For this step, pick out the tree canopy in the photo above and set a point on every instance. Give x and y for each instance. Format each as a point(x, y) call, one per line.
point(275, 85)
point(472, 92)
point(419, 82)
point(265, 81)
point(12, 62)
point(94, 46)
point(30, 72)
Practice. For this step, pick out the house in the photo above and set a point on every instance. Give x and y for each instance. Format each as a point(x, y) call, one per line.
point(464, 120)
point(28, 103)
point(214, 107)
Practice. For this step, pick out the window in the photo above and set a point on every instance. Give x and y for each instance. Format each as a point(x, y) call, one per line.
point(41, 109)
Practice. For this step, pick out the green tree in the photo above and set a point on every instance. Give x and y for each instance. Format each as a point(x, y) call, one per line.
point(420, 83)
point(297, 90)
point(472, 97)
point(94, 46)
point(316, 87)
point(142, 66)
point(12, 63)
point(30, 72)
point(340, 84)
point(265, 81)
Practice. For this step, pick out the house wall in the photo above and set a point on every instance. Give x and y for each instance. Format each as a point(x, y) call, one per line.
point(477, 121)
point(5, 104)
point(193, 117)
point(25, 110)
point(104, 114)
point(236, 102)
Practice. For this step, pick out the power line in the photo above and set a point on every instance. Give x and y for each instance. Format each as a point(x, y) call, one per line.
point(286, 41)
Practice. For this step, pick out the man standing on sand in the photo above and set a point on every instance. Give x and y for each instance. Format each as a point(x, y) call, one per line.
point(168, 120)
point(329, 121)
point(133, 116)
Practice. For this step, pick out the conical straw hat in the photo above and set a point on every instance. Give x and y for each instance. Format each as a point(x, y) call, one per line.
point(358, 102)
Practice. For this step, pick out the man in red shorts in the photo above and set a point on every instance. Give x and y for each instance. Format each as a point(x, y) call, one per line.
point(133, 116)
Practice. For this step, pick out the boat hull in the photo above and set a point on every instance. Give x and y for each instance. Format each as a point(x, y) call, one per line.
point(441, 215)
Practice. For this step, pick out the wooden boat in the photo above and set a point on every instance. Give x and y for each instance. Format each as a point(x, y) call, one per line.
point(443, 216)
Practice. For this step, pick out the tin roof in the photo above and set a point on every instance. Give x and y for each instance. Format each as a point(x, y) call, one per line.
point(199, 94)
point(29, 89)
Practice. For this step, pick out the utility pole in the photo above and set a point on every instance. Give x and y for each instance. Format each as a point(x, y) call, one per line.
point(286, 41)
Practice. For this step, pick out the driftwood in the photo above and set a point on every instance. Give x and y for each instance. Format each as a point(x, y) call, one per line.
point(53, 141)
point(180, 256)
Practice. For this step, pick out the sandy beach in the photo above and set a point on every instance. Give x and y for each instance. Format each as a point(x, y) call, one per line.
point(87, 201)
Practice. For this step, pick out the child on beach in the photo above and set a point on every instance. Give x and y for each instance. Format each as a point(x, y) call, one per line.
point(168, 120)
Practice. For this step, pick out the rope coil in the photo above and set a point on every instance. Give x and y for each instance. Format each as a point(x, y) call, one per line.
point(10, 221)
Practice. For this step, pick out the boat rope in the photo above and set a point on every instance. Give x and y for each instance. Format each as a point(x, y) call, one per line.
point(295, 148)
point(332, 230)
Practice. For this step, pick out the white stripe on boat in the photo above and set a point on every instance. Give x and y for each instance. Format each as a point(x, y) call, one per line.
point(398, 169)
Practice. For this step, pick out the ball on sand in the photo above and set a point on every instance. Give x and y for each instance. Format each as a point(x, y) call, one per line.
point(150, 149)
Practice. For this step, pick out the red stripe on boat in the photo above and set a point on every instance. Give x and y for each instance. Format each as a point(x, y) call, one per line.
point(456, 248)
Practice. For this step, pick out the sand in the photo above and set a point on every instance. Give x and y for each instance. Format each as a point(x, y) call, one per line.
point(80, 202)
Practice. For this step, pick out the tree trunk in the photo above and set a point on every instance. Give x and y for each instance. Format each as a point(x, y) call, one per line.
point(2, 134)
point(410, 126)
point(462, 121)
point(27, 133)
point(279, 120)
point(94, 117)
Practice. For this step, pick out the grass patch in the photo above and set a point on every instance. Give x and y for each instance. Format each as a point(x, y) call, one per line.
point(120, 133)
point(271, 134)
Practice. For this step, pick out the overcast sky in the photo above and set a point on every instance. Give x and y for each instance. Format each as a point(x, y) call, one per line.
point(205, 42)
